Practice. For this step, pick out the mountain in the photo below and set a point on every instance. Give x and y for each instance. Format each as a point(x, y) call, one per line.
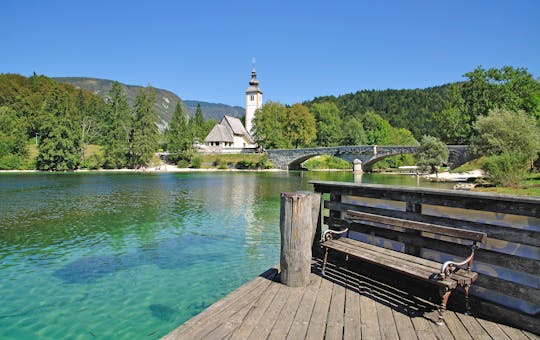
point(165, 100)
point(215, 111)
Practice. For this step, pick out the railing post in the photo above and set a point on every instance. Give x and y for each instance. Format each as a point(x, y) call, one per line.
point(298, 222)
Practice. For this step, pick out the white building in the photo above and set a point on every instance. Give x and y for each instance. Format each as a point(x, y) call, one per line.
point(230, 135)
point(253, 100)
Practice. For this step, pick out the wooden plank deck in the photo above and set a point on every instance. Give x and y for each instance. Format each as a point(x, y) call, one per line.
point(342, 304)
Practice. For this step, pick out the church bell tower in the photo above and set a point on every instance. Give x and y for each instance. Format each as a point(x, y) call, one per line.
point(253, 100)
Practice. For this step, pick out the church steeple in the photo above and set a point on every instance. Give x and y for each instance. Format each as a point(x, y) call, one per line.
point(253, 99)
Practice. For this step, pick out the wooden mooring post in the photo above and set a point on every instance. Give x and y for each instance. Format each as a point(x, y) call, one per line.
point(299, 216)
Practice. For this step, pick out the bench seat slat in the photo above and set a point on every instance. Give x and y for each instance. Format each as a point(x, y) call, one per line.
point(390, 261)
point(358, 217)
point(462, 276)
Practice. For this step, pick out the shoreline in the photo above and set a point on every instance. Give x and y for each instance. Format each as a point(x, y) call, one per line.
point(162, 169)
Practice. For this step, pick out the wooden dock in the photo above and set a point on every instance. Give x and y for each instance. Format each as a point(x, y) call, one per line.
point(341, 305)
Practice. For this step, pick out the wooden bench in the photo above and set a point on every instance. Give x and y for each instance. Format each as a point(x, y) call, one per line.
point(447, 276)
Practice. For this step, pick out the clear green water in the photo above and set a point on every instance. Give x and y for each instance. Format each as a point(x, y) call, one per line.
point(130, 256)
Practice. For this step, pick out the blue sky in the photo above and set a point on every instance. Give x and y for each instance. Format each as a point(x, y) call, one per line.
point(203, 49)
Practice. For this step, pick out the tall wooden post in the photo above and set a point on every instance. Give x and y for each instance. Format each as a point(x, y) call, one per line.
point(298, 222)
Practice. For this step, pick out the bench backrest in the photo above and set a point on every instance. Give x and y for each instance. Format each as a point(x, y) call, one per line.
point(508, 261)
point(362, 217)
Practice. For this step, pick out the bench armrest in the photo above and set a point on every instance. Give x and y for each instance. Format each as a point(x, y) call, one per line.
point(327, 235)
point(448, 267)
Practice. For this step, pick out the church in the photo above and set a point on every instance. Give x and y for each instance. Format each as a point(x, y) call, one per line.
point(230, 135)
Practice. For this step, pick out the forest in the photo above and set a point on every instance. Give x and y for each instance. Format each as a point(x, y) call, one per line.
point(52, 126)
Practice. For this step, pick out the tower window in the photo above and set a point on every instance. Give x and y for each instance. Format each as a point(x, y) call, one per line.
point(252, 98)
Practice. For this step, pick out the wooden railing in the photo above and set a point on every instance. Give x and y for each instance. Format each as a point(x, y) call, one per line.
point(508, 263)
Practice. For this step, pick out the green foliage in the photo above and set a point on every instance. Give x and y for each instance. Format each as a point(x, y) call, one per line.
point(264, 163)
point(326, 162)
point(299, 126)
point(269, 126)
point(179, 138)
point(196, 162)
point(197, 126)
point(353, 132)
point(246, 164)
point(453, 123)
point(431, 153)
point(144, 133)
point(12, 140)
point(329, 126)
point(117, 124)
point(505, 131)
point(377, 129)
point(59, 147)
point(506, 169)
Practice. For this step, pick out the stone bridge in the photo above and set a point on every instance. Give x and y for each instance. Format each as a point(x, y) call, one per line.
point(291, 159)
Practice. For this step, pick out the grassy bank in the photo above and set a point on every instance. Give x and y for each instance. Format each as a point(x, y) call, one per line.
point(326, 163)
point(529, 187)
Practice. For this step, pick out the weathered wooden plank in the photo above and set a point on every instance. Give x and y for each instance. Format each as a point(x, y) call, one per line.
point(421, 226)
point(461, 275)
point(422, 328)
point(455, 326)
point(369, 319)
point(317, 324)
point(514, 333)
point(352, 328)
point(483, 255)
point(303, 315)
point(334, 326)
point(404, 325)
point(473, 327)
point(516, 290)
point(263, 328)
point(506, 233)
point(225, 329)
point(493, 329)
point(207, 315)
point(255, 314)
point(390, 262)
point(387, 325)
point(507, 204)
point(286, 317)
point(441, 332)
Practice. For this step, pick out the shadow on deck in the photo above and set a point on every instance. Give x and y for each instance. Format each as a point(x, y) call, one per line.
point(343, 304)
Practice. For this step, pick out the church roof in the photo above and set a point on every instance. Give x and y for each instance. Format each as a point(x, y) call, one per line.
point(226, 129)
point(220, 133)
point(236, 126)
point(253, 83)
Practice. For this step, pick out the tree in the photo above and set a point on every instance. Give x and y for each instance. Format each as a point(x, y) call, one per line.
point(353, 132)
point(197, 126)
point(12, 140)
point(507, 131)
point(117, 127)
point(510, 140)
point(269, 126)
point(328, 122)
point(377, 129)
point(453, 123)
point(59, 147)
point(299, 126)
point(178, 137)
point(431, 153)
point(144, 132)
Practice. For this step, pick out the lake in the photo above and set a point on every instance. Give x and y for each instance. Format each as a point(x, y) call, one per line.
point(131, 255)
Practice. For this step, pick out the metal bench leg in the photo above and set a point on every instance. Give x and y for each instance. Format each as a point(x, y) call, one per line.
point(445, 294)
point(467, 303)
point(324, 262)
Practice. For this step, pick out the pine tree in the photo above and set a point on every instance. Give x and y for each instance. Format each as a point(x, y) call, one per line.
point(144, 132)
point(59, 147)
point(197, 126)
point(117, 126)
point(178, 136)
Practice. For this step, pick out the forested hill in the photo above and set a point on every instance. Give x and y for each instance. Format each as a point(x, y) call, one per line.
point(215, 111)
point(409, 109)
point(165, 100)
